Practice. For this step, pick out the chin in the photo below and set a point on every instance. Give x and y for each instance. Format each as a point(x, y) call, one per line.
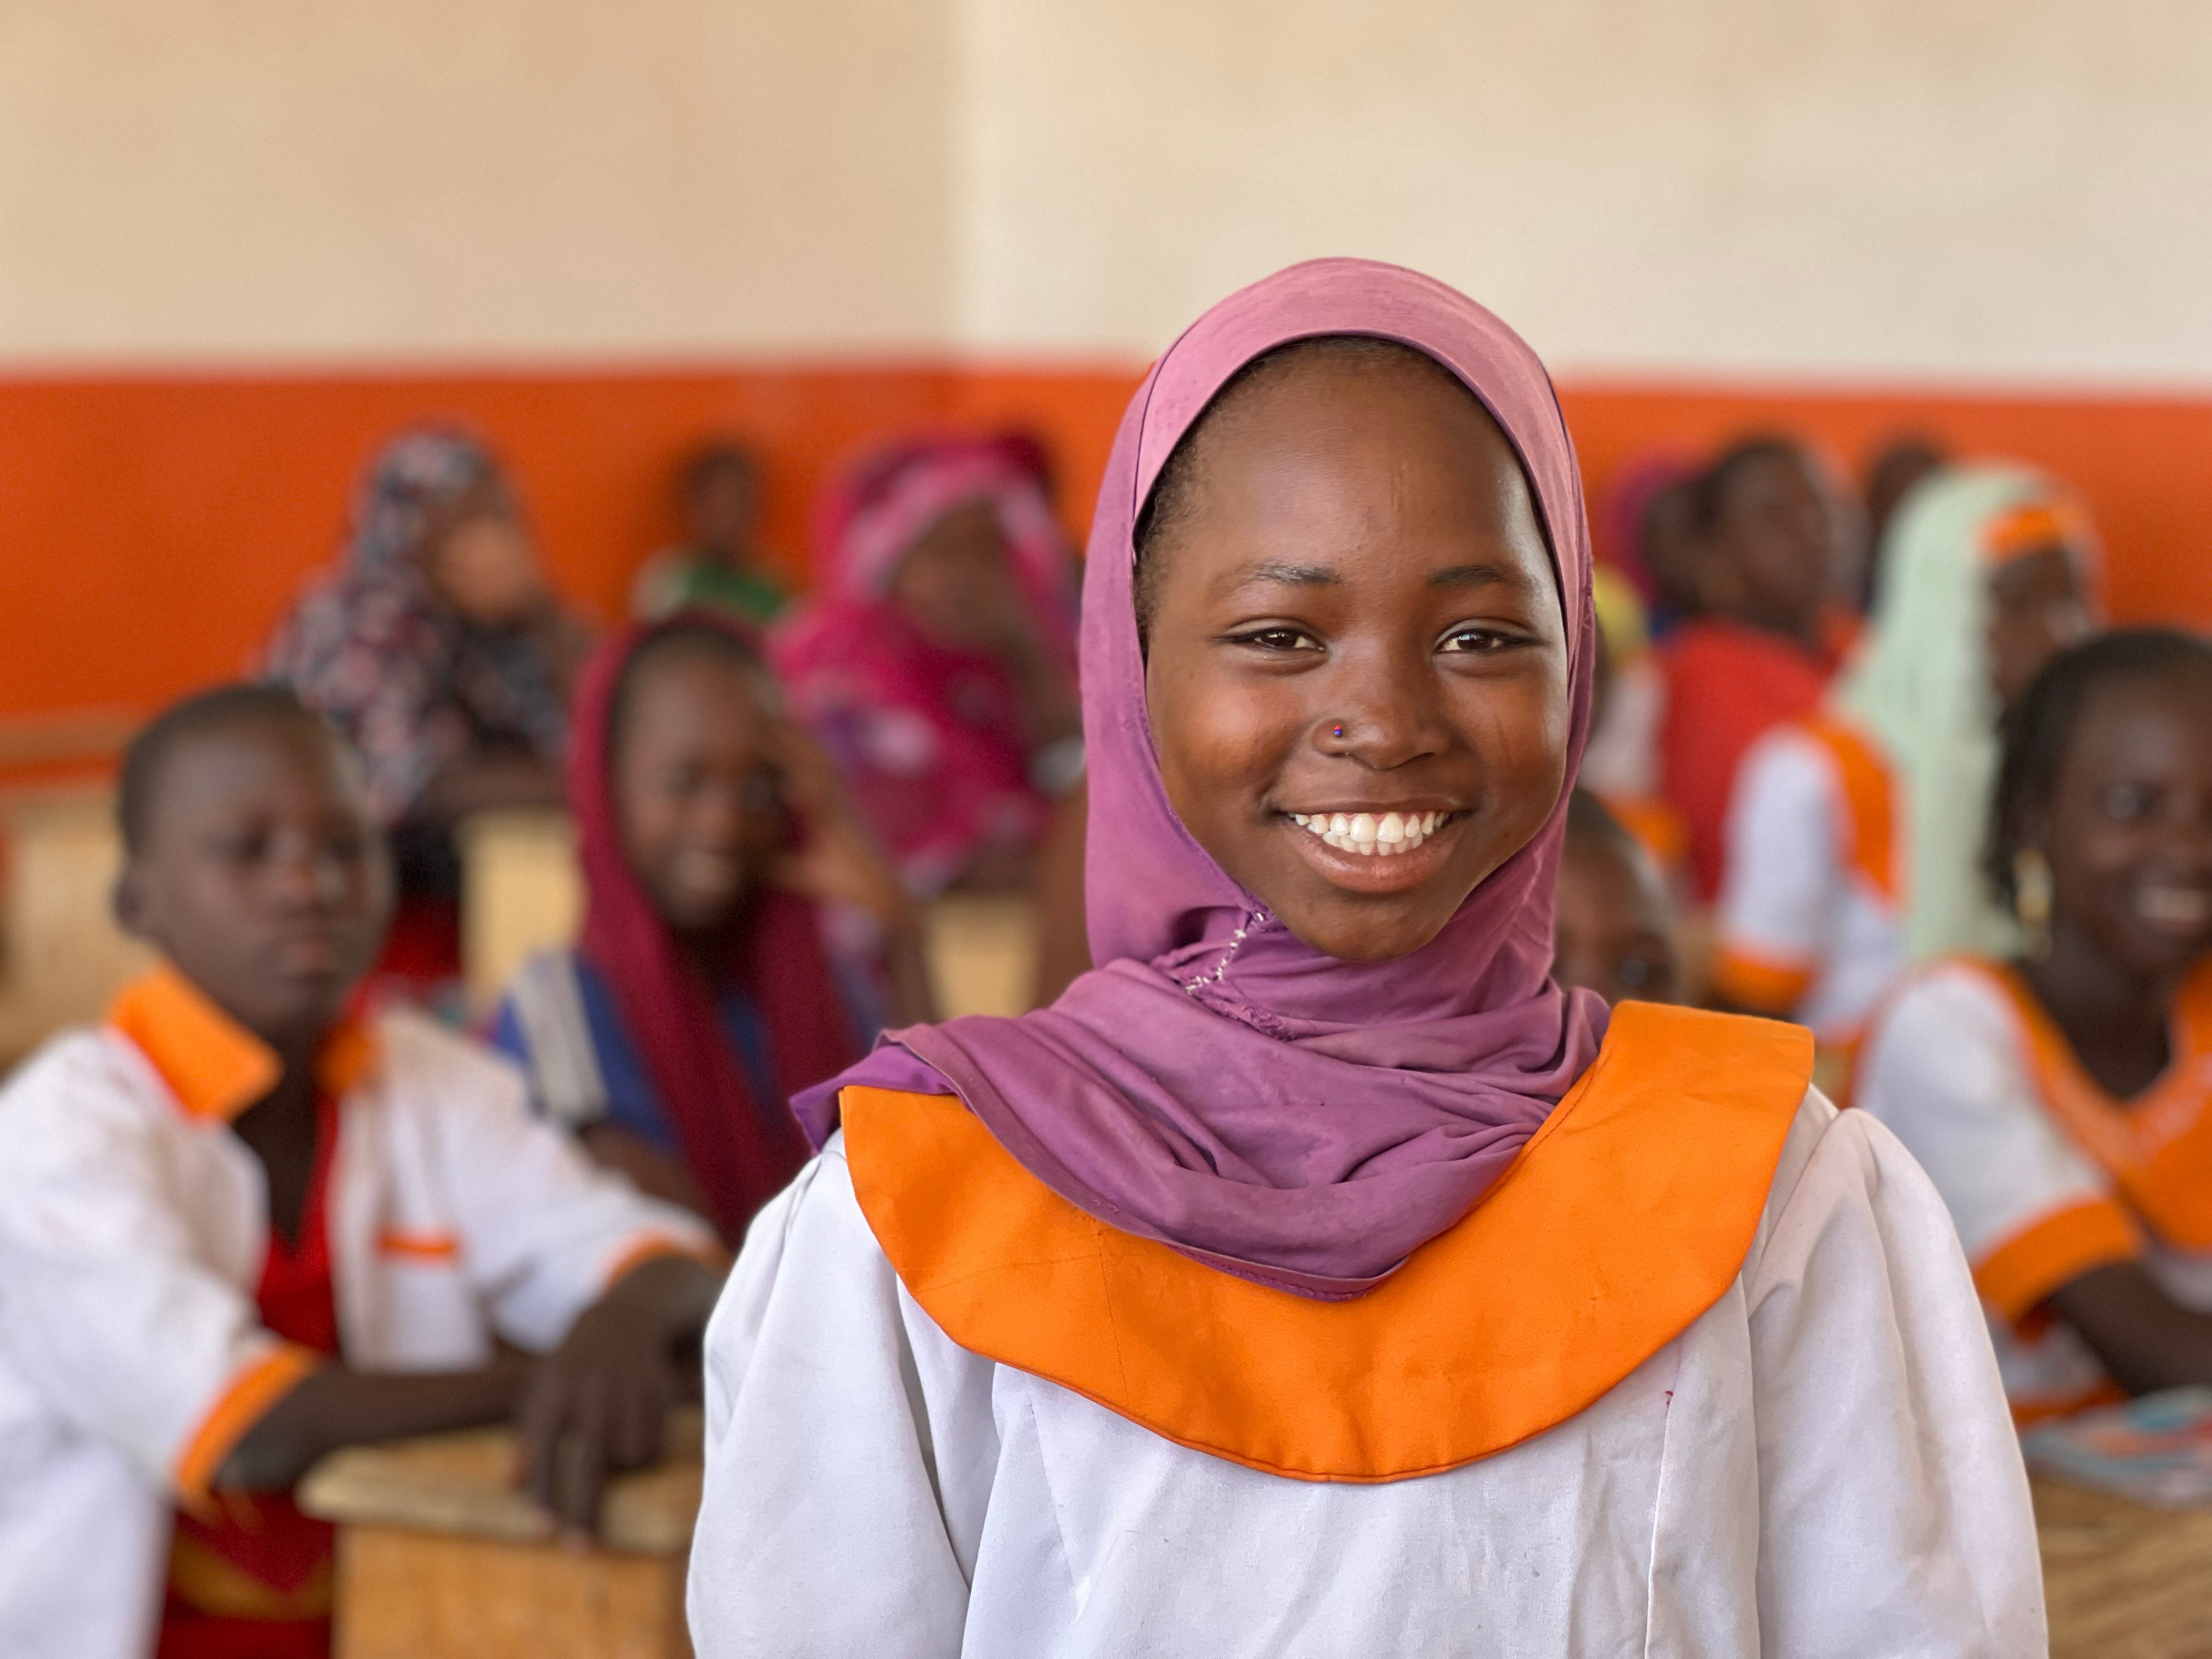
point(1364, 937)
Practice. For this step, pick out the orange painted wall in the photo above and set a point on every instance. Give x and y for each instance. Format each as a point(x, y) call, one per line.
point(152, 528)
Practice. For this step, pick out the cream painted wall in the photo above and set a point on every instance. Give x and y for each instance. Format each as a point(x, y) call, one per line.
point(2000, 188)
point(254, 179)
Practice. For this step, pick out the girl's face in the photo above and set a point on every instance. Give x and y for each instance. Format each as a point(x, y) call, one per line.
point(956, 583)
point(2128, 825)
point(1357, 670)
point(696, 792)
point(2038, 608)
point(483, 564)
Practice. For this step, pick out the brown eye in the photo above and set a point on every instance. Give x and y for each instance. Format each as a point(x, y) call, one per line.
point(1475, 640)
point(1279, 639)
point(2126, 802)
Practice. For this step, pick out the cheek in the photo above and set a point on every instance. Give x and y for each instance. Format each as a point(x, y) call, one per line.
point(1221, 739)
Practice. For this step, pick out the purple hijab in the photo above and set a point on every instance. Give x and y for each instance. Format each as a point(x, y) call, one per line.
point(1219, 1086)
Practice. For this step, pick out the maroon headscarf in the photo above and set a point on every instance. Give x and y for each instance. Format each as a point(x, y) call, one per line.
point(741, 1151)
point(1218, 1085)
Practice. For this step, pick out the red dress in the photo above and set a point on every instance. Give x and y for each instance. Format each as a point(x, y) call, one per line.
point(250, 1578)
point(1728, 683)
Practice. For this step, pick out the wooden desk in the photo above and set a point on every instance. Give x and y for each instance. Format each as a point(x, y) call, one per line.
point(440, 1557)
point(2123, 1581)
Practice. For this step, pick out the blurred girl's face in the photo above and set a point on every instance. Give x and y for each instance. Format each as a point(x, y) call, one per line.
point(696, 791)
point(956, 583)
point(2038, 608)
point(483, 565)
point(1357, 666)
point(2128, 825)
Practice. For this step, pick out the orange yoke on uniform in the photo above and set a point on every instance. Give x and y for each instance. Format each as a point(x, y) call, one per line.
point(1627, 1214)
point(2157, 1148)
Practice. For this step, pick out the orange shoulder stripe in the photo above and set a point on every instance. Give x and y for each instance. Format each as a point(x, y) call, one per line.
point(2157, 1147)
point(1869, 803)
point(1625, 1218)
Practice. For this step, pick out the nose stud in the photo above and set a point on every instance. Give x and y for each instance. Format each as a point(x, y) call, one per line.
point(1336, 731)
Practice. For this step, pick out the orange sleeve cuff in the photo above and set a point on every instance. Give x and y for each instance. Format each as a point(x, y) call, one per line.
point(1760, 984)
point(653, 1246)
point(245, 1402)
point(2053, 1250)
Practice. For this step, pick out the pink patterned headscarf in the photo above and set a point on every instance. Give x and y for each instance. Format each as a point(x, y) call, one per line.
point(1216, 1083)
point(928, 733)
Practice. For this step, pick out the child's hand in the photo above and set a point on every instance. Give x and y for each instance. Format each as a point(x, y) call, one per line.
point(599, 1403)
point(837, 858)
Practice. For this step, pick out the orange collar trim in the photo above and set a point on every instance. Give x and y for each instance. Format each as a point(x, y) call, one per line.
point(2157, 1147)
point(213, 1065)
point(1866, 802)
point(1625, 1218)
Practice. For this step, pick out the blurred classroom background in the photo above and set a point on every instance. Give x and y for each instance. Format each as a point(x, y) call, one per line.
point(244, 244)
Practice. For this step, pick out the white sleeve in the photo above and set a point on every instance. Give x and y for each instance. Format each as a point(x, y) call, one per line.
point(543, 1230)
point(108, 1308)
point(1783, 878)
point(1894, 1506)
point(1943, 1070)
point(847, 1446)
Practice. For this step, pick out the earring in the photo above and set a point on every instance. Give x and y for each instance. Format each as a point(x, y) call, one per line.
point(2031, 901)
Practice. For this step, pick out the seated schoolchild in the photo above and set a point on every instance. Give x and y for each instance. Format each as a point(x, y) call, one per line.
point(2061, 1099)
point(719, 567)
point(243, 1223)
point(1854, 835)
point(1317, 1277)
point(937, 662)
point(1767, 638)
point(437, 647)
point(710, 984)
point(1613, 929)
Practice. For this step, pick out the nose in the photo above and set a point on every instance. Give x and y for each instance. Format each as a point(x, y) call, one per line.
point(1384, 711)
point(307, 876)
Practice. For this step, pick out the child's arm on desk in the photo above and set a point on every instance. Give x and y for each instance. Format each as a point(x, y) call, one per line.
point(597, 1403)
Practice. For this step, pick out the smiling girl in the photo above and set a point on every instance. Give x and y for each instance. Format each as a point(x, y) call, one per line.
point(1316, 1276)
point(2062, 1101)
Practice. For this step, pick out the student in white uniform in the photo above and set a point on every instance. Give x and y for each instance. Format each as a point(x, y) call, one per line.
point(1854, 835)
point(1317, 1277)
point(242, 1226)
point(2062, 1100)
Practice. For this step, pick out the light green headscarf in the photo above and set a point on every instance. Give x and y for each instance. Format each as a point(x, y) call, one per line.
point(1923, 685)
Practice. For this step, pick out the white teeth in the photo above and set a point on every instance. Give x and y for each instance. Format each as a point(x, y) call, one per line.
point(1368, 835)
point(2174, 907)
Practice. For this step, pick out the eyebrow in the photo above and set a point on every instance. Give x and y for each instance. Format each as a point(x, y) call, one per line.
point(1281, 574)
point(1482, 575)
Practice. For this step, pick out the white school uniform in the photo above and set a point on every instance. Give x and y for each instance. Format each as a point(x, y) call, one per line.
point(132, 1234)
point(1820, 1464)
point(1810, 923)
point(2044, 1177)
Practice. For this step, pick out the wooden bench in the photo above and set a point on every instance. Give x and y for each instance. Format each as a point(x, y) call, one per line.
point(441, 1557)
